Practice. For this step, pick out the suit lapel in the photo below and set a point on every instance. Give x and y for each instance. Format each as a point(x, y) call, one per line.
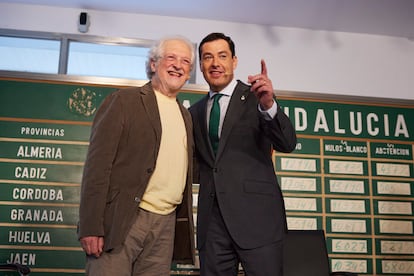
point(201, 131)
point(189, 129)
point(236, 107)
point(151, 108)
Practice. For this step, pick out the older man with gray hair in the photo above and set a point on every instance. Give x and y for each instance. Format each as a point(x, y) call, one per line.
point(135, 212)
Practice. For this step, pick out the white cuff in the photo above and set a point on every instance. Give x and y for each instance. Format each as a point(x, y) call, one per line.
point(270, 113)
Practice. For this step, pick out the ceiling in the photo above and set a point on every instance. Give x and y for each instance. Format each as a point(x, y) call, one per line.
point(381, 17)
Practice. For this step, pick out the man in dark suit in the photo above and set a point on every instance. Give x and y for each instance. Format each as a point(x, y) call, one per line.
point(241, 214)
point(136, 197)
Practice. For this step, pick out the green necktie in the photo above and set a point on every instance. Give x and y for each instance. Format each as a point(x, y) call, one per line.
point(214, 122)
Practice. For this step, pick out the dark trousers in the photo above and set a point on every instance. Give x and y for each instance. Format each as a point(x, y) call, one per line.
point(220, 255)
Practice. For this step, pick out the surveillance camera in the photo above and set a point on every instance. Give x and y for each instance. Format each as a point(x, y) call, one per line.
point(84, 22)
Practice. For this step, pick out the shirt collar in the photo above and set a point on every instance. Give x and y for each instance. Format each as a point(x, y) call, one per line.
point(228, 90)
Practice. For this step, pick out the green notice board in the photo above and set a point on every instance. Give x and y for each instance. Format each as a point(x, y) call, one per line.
point(351, 174)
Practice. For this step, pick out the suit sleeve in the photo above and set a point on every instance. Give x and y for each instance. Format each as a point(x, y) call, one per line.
point(105, 135)
point(280, 132)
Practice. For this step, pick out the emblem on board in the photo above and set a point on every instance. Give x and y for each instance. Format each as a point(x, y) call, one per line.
point(82, 102)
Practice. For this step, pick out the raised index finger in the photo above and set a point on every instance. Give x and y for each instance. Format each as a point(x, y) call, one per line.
point(264, 68)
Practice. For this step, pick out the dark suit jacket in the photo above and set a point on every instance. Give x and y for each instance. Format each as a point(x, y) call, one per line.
point(242, 175)
point(122, 154)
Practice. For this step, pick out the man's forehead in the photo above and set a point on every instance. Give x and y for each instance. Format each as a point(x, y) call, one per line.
point(175, 43)
point(216, 46)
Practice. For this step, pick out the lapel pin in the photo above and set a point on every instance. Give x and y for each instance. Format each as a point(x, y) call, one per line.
point(242, 98)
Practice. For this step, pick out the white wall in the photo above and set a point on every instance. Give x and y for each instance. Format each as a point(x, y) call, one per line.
point(297, 59)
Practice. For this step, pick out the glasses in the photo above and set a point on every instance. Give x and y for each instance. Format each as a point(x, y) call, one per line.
point(174, 58)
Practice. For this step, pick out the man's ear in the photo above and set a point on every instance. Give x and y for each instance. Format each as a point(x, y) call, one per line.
point(235, 62)
point(188, 76)
point(153, 65)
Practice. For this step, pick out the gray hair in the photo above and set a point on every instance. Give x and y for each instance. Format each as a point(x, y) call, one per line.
point(157, 50)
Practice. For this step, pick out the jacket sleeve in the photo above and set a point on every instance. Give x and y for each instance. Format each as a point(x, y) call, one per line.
point(105, 135)
point(280, 131)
